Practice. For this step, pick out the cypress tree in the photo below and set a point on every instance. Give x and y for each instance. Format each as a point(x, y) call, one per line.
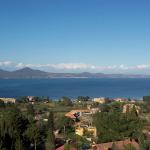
point(18, 144)
point(50, 141)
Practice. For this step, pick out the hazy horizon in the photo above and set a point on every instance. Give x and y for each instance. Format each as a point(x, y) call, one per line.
point(77, 72)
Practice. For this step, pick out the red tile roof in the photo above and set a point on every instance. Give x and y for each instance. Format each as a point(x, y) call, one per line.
point(69, 115)
point(119, 145)
point(72, 113)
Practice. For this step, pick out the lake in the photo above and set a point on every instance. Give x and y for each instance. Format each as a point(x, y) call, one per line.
point(56, 88)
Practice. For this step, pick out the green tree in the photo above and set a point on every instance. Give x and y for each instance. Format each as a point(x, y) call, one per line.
point(33, 134)
point(105, 107)
point(2, 104)
point(146, 99)
point(18, 144)
point(78, 141)
point(133, 113)
point(50, 140)
point(22, 99)
point(30, 110)
point(12, 128)
point(87, 133)
point(144, 145)
point(67, 146)
point(66, 101)
point(112, 126)
point(129, 147)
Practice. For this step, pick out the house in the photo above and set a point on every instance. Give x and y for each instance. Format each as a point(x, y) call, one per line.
point(119, 145)
point(70, 115)
point(100, 100)
point(73, 114)
point(80, 130)
point(8, 100)
point(121, 100)
point(129, 107)
point(63, 148)
point(31, 99)
point(93, 130)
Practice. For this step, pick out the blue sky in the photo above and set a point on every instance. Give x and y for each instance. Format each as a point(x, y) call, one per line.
point(76, 35)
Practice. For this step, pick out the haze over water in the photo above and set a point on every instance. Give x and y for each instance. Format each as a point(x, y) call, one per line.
point(56, 88)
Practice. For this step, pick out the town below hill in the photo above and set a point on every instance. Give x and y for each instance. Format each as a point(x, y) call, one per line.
point(27, 73)
point(35, 123)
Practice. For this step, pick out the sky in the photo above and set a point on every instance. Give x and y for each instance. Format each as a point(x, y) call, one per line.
point(109, 36)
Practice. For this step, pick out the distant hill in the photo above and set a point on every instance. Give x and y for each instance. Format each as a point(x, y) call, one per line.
point(26, 73)
point(23, 73)
point(4, 74)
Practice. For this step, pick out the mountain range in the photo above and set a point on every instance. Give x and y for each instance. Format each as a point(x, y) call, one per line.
point(27, 73)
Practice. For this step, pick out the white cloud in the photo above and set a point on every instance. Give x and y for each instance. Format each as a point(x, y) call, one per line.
point(123, 67)
point(5, 63)
point(144, 66)
point(78, 67)
point(72, 66)
point(20, 65)
point(66, 66)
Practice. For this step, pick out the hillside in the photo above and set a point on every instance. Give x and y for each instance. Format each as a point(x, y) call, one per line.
point(26, 73)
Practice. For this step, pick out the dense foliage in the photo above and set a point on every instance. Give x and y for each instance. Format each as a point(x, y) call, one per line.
point(113, 126)
point(12, 128)
point(146, 99)
point(21, 132)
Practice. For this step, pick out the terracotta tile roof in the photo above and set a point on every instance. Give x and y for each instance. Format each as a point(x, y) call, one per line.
point(119, 145)
point(72, 113)
point(63, 147)
point(69, 115)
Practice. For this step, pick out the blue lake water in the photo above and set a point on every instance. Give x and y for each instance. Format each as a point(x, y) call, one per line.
point(56, 88)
